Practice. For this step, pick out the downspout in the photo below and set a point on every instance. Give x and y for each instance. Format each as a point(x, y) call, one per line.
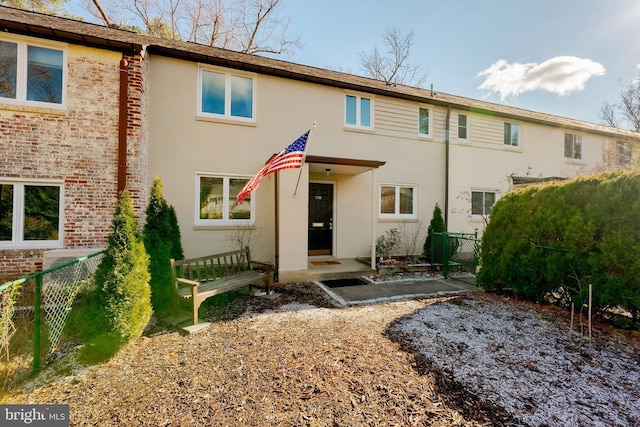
point(446, 168)
point(122, 125)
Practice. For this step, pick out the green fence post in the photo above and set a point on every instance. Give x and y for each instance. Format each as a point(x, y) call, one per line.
point(38, 320)
point(445, 255)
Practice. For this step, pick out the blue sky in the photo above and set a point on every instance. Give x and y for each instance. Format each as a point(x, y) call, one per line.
point(563, 57)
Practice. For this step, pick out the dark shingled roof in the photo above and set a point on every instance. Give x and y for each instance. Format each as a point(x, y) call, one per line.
point(77, 32)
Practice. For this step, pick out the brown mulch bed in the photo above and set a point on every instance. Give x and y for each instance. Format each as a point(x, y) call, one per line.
point(295, 360)
point(283, 361)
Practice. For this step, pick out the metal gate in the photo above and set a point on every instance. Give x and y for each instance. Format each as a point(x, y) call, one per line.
point(457, 254)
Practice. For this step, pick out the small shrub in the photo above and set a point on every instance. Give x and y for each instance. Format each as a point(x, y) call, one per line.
point(387, 243)
point(436, 225)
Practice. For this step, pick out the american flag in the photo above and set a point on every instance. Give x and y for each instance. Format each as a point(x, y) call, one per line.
point(290, 157)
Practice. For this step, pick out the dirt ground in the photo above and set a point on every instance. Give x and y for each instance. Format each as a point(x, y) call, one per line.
point(296, 360)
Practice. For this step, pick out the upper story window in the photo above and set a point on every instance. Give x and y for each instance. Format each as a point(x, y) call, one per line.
point(463, 126)
point(216, 201)
point(358, 111)
point(227, 95)
point(398, 201)
point(623, 154)
point(424, 121)
point(32, 73)
point(572, 146)
point(482, 202)
point(511, 134)
point(30, 214)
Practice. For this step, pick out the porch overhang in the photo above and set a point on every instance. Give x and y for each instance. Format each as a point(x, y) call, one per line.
point(341, 165)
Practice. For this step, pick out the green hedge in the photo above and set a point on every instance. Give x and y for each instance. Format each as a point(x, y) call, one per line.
point(557, 238)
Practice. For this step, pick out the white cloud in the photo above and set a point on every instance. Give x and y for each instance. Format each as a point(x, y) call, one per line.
point(561, 75)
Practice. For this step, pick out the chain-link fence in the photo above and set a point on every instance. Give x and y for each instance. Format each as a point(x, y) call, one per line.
point(457, 254)
point(34, 311)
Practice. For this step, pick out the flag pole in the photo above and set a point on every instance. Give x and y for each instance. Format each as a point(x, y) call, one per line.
point(304, 156)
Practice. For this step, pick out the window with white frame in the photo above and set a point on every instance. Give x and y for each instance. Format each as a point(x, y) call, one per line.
point(358, 111)
point(424, 121)
point(398, 201)
point(30, 214)
point(463, 126)
point(572, 146)
point(225, 94)
point(217, 200)
point(32, 72)
point(623, 154)
point(482, 202)
point(511, 134)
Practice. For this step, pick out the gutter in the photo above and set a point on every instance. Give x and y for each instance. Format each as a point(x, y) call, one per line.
point(122, 125)
point(446, 168)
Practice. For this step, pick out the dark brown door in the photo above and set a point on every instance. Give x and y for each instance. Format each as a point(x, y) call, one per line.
point(320, 218)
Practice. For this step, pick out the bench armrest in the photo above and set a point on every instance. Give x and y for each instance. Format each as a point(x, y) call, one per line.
point(267, 264)
point(191, 283)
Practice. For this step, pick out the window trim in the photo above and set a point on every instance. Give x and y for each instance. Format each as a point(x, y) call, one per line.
point(221, 223)
point(573, 148)
point(430, 110)
point(359, 97)
point(509, 145)
point(228, 74)
point(467, 127)
point(484, 191)
point(23, 42)
point(397, 215)
point(17, 241)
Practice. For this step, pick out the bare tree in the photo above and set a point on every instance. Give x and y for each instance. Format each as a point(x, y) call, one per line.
point(627, 110)
point(393, 67)
point(248, 26)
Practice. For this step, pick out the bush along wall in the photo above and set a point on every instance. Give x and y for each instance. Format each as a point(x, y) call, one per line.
point(556, 239)
point(161, 236)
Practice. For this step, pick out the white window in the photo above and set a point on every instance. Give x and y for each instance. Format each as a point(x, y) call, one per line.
point(30, 214)
point(623, 154)
point(398, 201)
point(216, 201)
point(482, 202)
point(572, 146)
point(511, 134)
point(463, 126)
point(227, 95)
point(424, 121)
point(358, 111)
point(32, 72)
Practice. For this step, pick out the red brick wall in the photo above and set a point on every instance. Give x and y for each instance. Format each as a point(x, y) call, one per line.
point(79, 147)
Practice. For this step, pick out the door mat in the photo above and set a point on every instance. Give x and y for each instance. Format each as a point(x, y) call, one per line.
point(330, 262)
point(343, 283)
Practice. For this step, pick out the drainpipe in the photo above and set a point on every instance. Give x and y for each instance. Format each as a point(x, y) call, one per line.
point(446, 168)
point(122, 125)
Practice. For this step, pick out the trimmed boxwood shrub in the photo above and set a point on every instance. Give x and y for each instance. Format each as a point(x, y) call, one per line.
point(557, 238)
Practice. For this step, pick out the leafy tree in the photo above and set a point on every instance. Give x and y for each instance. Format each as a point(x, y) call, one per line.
point(161, 235)
point(120, 304)
point(393, 67)
point(52, 7)
point(436, 225)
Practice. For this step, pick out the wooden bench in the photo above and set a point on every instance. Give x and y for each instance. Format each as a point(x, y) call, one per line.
point(204, 277)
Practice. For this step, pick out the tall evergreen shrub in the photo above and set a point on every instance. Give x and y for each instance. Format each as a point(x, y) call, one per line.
point(121, 303)
point(436, 225)
point(558, 238)
point(162, 242)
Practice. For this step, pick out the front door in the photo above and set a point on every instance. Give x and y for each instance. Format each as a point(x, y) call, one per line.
point(320, 218)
